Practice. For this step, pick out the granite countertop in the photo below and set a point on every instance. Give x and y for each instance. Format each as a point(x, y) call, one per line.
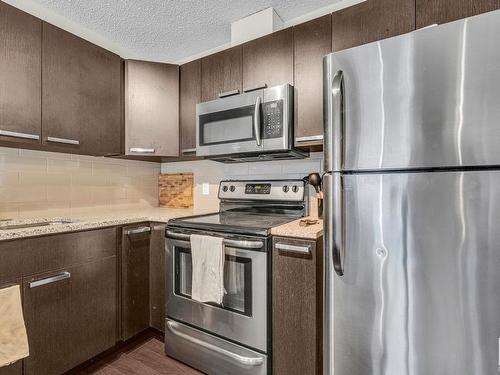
point(293, 229)
point(95, 220)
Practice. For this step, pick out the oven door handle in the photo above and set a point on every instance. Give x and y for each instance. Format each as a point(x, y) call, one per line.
point(243, 244)
point(247, 361)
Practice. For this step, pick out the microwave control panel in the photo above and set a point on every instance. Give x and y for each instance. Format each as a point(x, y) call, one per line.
point(272, 118)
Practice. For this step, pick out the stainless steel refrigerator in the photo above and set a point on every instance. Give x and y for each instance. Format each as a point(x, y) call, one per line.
point(412, 203)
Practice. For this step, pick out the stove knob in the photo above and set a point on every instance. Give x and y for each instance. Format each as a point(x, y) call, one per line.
point(232, 188)
point(285, 189)
point(224, 188)
point(295, 188)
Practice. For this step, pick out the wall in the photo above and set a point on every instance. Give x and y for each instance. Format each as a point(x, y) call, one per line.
point(211, 172)
point(36, 183)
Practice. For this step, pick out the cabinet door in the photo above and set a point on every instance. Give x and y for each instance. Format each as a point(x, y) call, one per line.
point(441, 11)
point(135, 280)
point(297, 307)
point(81, 95)
point(370, 21)
point(20, 67)
point(190, 95)
point(312, 41)
point(157, 277)
point(221, 74)
point(151, 109)
point(70, 316)
point(15, 368)
point(268, 60)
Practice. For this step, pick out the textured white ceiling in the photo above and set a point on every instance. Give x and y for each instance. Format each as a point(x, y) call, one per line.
point(168, 30)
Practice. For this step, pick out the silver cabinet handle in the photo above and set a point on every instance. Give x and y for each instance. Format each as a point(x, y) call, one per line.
point(256, 121)
point(305, 249)
point(247, 361)
point(228, 242)
point(50, 280)
point(140, 230)
point(256, 87)
point(63, 140)
point(142, 150)
point(311, 138)
point(7, 133)
point(229, 93)
point(188, 151)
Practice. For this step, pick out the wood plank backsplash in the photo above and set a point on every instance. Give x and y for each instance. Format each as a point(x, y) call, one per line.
point(175, 190)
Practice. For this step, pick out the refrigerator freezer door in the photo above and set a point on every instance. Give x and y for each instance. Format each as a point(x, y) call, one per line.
point(425, 99)
point(420, 292)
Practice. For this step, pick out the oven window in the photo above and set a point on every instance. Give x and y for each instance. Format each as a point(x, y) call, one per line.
point(237, 281)
point(234, 125)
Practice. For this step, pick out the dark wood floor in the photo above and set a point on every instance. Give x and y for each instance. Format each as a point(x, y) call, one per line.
point(142, 357)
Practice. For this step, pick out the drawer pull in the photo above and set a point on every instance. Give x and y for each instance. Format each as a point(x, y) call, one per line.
point(188, 151)
point(311, 138)
point(229, 93)
point(50, 280)
point(294, 248)
point(7, 133)
point(141, 230)
point(256, 87)
point(63, 140)
point(142, 150)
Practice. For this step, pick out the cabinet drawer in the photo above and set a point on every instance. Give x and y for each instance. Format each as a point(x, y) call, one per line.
point(36, 255)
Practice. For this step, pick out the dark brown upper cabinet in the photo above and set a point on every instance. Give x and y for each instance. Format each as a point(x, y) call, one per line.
point(370, 21)
point(20, 67)
point(81, 95)
point(190, 95)
point(429, 12)
point(268, 61)
point(312, 41)
point(151, 109)
point(221, 74)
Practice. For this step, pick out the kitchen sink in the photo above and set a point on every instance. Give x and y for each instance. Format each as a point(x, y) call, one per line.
point(34, 225)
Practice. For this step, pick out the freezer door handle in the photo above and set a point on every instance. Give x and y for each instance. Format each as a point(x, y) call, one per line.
point(334, 220)
point(334, 118)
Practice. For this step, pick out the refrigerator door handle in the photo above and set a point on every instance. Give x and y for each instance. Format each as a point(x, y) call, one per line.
point(334, 220)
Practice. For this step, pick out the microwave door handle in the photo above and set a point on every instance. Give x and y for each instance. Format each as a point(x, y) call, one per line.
point(256, 122)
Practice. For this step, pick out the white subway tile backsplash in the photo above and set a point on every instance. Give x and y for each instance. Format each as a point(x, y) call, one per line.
point(38, 183)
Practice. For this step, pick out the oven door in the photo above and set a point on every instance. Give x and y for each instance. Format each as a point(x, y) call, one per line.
point(242, 318)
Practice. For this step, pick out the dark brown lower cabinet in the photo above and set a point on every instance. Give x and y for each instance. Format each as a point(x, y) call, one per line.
point(135, 280)
point(297, 306)
point(14, 369)
point(70, 315)
point(157, 277)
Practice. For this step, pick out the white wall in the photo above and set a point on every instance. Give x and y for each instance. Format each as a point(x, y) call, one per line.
point(211, 172)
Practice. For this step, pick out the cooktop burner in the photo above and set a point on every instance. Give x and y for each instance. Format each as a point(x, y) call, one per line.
point(251, 207)
point(237, 222)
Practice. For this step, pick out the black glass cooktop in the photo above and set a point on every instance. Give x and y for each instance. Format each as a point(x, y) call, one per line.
point(234, 222)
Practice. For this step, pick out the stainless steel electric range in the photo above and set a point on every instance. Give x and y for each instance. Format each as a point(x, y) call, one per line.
point(232, 338)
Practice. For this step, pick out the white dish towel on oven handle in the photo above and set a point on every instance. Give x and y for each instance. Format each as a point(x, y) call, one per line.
point(207, 256)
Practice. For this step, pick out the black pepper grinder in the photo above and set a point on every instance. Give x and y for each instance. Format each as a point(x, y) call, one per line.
point(314, 179)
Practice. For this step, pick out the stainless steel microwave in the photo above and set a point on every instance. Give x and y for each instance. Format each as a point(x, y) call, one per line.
point(256, 125)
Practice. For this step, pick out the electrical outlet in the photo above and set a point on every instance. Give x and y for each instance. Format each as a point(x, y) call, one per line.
point(205, 188)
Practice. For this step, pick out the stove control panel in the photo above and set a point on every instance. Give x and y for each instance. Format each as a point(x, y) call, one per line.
point(272, 190)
